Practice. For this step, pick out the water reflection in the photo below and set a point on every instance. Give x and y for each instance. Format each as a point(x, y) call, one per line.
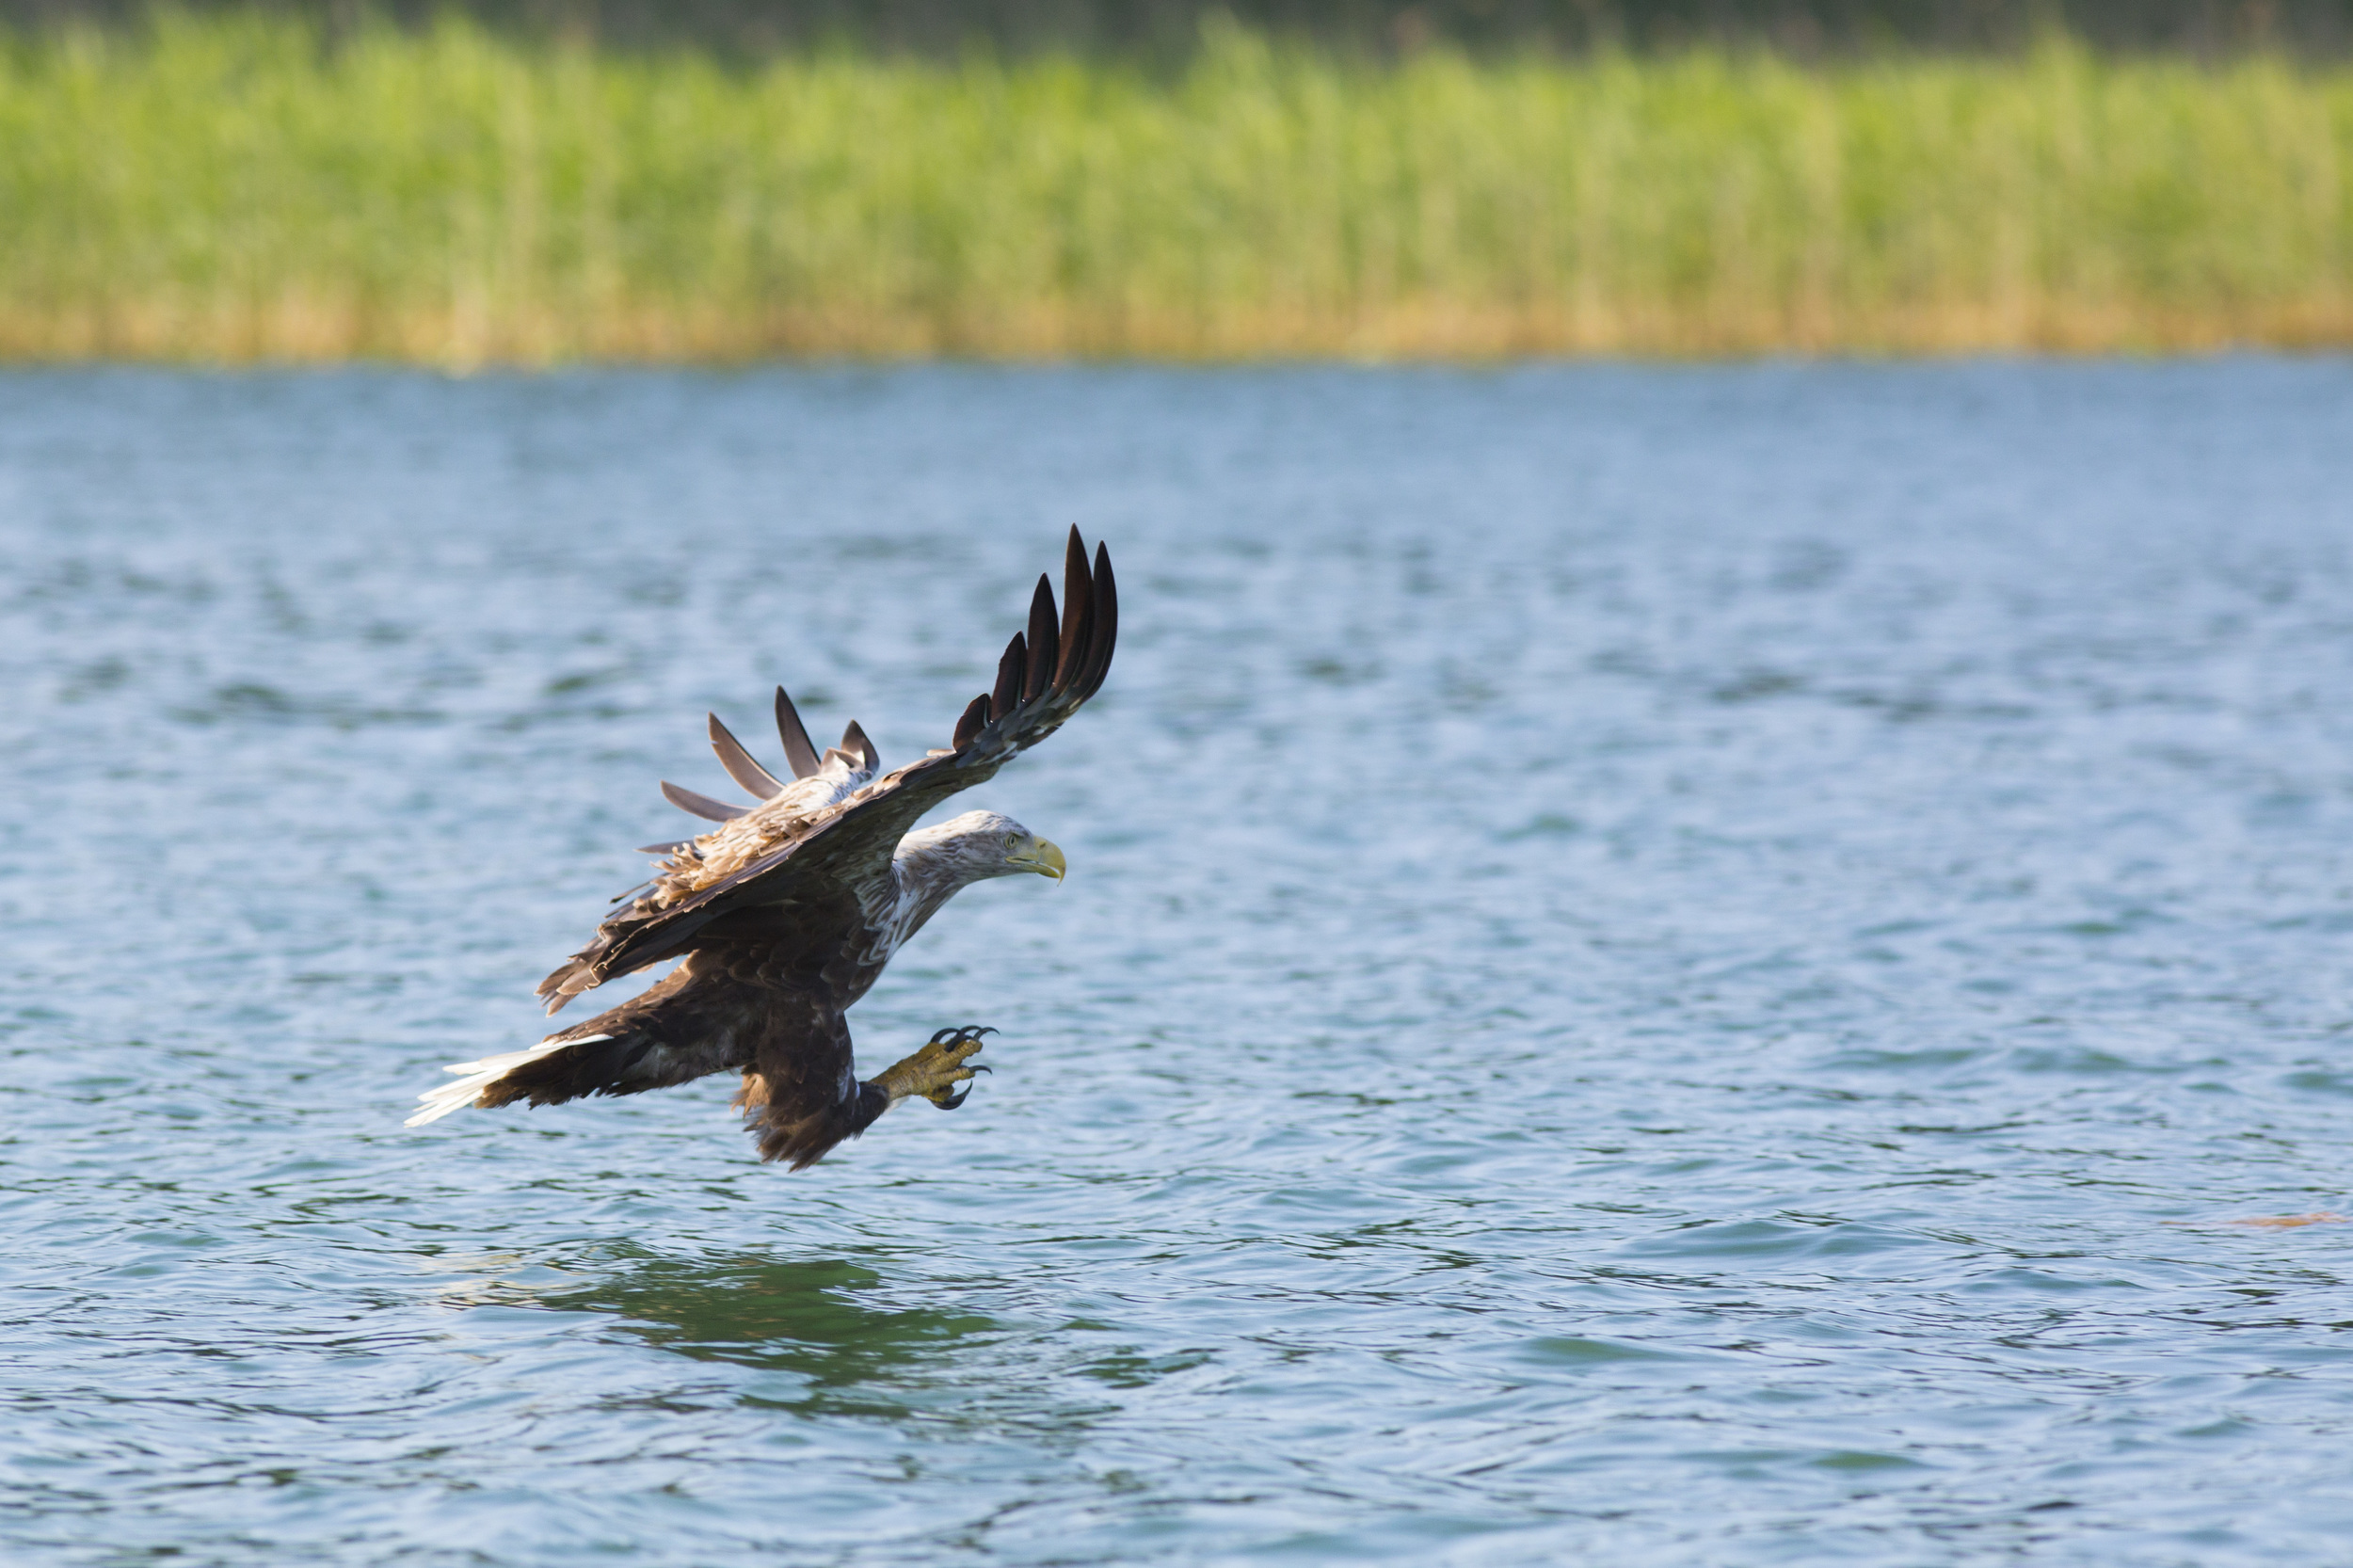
point(805, 1316)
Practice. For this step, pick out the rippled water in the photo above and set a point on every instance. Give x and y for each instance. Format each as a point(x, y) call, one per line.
point(1682, 965)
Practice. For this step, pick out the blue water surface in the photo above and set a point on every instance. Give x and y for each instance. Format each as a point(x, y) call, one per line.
point(1678, 966)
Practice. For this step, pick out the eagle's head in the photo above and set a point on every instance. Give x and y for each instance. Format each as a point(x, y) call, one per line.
point(981, 844)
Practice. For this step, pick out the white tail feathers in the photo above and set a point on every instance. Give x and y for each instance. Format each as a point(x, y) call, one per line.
point(479, 1076)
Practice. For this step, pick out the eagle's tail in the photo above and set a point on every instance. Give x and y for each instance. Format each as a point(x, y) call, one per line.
point(620, 1053)
point(484, 1082)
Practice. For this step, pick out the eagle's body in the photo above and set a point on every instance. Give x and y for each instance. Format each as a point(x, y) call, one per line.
point(785, 914)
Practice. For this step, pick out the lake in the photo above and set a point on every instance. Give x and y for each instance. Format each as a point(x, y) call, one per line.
point(1695, 965)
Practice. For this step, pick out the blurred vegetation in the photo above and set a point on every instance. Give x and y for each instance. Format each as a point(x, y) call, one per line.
point(248, 185)
point(1169, 31)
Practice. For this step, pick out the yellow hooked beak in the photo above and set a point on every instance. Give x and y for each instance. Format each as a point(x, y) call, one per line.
point(1042, 856)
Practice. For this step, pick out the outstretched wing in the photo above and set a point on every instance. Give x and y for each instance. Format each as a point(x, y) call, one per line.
point(828, 878)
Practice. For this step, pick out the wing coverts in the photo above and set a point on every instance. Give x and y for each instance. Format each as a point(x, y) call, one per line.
point(808, 898)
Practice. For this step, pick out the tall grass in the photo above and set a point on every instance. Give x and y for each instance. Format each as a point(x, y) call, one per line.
point(235, 187)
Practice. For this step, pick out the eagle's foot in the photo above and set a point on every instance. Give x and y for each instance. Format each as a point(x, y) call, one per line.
point(937, 1069)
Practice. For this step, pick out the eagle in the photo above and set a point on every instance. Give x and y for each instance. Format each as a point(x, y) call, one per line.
point(784, 915)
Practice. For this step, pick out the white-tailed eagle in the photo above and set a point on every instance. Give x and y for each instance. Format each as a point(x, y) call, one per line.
point(785, 914)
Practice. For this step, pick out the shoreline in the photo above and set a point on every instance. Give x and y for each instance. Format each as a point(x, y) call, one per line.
point(225, 190)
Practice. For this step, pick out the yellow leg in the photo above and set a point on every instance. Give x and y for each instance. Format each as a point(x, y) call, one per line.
point(933, 1072)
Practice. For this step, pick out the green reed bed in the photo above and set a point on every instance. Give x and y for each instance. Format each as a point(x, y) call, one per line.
point(241, 187)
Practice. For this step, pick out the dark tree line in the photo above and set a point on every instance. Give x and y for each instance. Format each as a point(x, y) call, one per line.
point(1167, 29)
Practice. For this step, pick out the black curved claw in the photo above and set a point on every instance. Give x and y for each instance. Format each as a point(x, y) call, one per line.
point(970, 1032)
point(941, 1036)
point(951, 1103)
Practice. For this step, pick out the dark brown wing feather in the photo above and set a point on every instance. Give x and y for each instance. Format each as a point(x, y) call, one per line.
point(798, 750)
point(699, 805)
point(853, 740)
point(739, 763)
point(806, 895)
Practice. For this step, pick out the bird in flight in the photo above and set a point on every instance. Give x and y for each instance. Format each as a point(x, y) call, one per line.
point(785, 913)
